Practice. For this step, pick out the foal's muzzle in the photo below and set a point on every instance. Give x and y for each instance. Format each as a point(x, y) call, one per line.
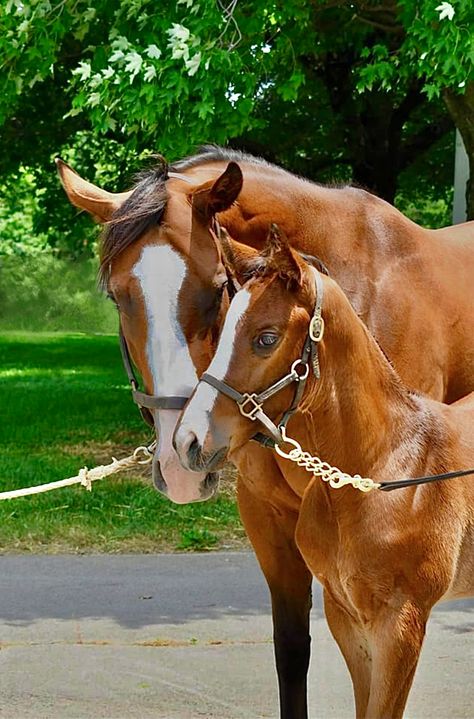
point(192, 457)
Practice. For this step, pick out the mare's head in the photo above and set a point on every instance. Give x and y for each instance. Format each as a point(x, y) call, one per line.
point(162, 265)
point(263, 335)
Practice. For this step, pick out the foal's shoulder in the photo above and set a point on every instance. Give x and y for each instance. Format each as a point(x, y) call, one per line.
point(460, 418)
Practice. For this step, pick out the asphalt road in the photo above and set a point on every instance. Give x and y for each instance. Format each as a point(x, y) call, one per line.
point(183, 637)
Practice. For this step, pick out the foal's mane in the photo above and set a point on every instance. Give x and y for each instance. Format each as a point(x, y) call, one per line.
point(257, 266)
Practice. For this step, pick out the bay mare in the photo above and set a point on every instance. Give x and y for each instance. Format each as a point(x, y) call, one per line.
point(384, 559)
point(164, 269)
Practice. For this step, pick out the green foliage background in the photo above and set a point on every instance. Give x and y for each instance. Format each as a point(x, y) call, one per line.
point(330, 89)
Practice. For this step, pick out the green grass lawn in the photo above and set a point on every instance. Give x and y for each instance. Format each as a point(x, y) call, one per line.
point(65, 403)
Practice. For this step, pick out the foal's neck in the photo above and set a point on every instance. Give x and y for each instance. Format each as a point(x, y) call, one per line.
point(359, 416)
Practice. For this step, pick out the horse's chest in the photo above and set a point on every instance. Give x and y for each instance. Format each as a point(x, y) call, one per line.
point(317, 537)
point(323, 554)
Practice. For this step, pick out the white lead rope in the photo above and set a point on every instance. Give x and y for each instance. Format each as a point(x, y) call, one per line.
point(87, 476)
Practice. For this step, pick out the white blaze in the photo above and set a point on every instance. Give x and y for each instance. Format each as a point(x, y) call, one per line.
point(196, 416)
point(160, 272)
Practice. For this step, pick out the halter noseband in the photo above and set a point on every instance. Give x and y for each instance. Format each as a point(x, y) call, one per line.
point(250, 404)
point(146, 402)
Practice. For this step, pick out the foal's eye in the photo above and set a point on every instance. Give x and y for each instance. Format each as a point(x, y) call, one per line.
point(266, 340)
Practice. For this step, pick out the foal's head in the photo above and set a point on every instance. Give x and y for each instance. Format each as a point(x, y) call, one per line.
point(263, 334)
point(162, 265)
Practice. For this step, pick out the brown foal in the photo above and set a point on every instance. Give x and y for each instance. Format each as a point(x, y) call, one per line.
point(384, 559)
point(411, 286)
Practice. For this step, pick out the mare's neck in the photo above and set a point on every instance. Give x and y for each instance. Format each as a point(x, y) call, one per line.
point(359, 417)
point(344, 226)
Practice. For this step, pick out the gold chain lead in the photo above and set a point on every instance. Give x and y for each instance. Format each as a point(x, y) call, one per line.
point(325, 471)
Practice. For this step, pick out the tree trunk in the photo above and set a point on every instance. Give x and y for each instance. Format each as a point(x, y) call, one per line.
point(375, 145)
point(461, 109)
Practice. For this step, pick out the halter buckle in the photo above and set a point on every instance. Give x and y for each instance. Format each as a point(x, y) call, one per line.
point(254, 408)
point(305, 367)
point(316, 328)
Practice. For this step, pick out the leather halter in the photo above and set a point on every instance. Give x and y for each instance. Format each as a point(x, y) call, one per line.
point(250, 404)
point(147, 402)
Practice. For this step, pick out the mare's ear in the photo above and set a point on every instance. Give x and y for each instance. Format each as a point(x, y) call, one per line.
point(281, 259)
point(86, 196)
point(219, 196)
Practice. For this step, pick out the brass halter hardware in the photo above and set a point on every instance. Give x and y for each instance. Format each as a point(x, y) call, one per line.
point(250, 404)
point(316, 329)
point(255, 407)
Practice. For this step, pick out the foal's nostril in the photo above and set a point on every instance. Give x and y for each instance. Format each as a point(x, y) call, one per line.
point(191, 446)
point(185, 446)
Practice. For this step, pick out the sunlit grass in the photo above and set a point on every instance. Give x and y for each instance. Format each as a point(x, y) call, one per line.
point(65, 404)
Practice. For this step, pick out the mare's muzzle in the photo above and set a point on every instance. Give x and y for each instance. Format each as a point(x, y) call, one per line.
point(207, 488)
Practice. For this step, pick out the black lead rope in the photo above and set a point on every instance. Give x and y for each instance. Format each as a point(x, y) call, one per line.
point(401, 483)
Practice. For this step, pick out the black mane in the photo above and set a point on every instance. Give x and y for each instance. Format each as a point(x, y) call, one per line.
point(214, 153)
point(141, 211)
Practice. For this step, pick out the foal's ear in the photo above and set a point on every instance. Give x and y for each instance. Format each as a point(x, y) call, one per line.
point(281, 259)
point(209, 199)
point(242, 260)
point(86, 196)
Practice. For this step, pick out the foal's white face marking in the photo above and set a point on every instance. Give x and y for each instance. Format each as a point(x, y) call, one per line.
point(225, 349)
point(197, 413)
point(160, 272)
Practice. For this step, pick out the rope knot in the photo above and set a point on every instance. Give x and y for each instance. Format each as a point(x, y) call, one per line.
point(84, 479)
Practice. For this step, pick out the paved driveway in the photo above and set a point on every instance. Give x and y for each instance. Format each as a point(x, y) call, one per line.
point(182, 636)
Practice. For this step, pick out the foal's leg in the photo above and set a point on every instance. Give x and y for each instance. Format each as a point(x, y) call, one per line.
point(271, 532)
point(396, 640)
point(353, 645)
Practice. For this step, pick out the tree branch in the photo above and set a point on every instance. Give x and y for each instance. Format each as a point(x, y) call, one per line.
point(423, 140)
point(393, 29)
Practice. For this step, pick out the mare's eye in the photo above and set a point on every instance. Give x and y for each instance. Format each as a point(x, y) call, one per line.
point(266, 340)
point(221, 288)
point(111, 297)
